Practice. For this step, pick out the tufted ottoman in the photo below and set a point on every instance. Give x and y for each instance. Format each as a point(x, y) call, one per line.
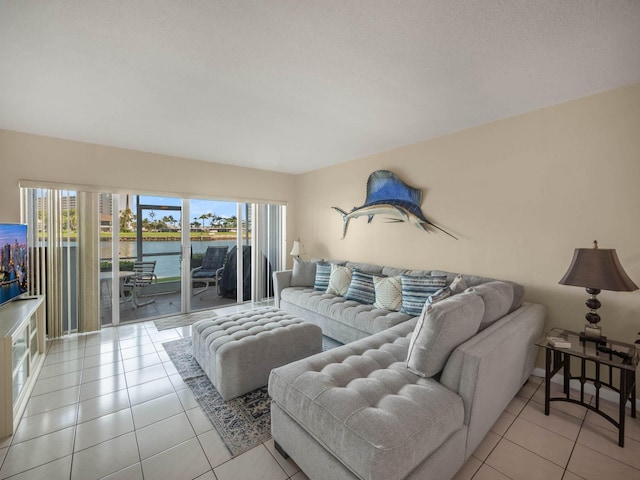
point(238, 351)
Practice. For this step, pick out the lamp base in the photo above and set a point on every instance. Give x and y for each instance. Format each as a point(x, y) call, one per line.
point(587, 336)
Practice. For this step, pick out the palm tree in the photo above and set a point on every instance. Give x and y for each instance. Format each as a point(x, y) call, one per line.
point(126, 218)
point(168, 219)
point(203, 217)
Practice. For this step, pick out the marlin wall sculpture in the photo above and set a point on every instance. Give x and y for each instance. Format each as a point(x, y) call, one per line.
point(388, 195)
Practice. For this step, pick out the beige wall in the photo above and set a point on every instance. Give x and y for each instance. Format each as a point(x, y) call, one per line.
point(33, 157)
point(520, 194)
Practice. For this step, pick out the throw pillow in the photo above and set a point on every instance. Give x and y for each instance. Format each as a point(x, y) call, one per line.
point(458, 285)
point(416, 291)
point(323, 272)
point(361, 288)
point(339, 280)
point(439, 295)
point(440, 329)
point(388, 292)
point(497, 297)
point(304, 273)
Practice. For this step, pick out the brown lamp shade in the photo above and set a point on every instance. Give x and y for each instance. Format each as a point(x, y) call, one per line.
point(599, 269)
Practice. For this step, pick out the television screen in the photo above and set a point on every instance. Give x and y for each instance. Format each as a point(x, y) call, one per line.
point(13, 261)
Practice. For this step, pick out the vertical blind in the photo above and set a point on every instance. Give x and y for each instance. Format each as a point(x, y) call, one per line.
point(64, 233)
point(57, 219)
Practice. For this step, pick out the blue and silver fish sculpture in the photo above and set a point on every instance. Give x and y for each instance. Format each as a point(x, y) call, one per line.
point(390, 196)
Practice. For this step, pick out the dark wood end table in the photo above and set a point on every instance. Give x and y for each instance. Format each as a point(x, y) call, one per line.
point(606, 357)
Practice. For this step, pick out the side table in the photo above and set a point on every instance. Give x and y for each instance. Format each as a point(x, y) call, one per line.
point(606, 357)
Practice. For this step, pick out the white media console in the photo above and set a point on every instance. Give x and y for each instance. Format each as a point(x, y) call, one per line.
point(22, 351)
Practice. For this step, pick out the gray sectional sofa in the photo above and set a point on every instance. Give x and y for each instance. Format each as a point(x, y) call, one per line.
point(406, 396)
point(347, 320)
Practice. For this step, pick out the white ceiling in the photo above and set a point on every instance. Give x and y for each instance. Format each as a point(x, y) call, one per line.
point(295, 85)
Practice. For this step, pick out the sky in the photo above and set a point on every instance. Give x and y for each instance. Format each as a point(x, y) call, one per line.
point(9, 232)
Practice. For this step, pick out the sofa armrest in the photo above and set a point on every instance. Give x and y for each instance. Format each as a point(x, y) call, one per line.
point(489, 369)
point(281, 280)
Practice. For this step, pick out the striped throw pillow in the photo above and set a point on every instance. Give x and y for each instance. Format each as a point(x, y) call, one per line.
point(416, 291)
point(323, 272)
point(388, 293)
point(361, 288)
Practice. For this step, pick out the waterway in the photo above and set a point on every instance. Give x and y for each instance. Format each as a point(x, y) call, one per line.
point(166, 265)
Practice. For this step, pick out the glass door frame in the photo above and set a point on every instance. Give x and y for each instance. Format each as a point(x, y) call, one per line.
point(247, 234)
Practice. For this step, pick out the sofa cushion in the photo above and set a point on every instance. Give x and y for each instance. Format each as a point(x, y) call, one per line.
point(323, 272)
point(361, 288)
point(388, 293)
point(365, 267)
point(303, 274)
point(416, 291)
point(497, 297)
point(440, 329)
point(361, 403)
point(339, 280)
point(393, 271)
point(473, 280)
point(418, 273)
point(361, 317)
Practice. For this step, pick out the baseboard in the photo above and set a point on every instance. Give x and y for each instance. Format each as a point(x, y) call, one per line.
point(605, 393)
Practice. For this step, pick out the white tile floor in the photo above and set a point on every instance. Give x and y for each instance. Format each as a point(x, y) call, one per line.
point(111, 405)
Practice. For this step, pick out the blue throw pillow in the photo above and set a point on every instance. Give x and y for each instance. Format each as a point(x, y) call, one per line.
point(361, 288)
point(323, 273)
point(416, 291)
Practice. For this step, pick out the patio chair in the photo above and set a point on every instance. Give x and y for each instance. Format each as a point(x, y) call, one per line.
point(141, 286)
point(227, 287)
point(211, 269)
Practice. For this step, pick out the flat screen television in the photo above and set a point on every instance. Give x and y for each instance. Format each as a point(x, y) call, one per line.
point(13, 261)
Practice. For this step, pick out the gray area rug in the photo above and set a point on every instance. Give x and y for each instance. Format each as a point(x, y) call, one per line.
point(243, 422)
point(176, 321)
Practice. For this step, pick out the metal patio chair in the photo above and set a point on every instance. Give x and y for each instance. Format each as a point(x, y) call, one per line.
point(142, 285)
point(210, 271)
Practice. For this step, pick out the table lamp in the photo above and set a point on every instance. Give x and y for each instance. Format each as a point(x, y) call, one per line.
point(596, 269)
point(296, 250)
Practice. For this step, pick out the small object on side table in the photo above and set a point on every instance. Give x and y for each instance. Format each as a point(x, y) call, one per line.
point(606, 357)
point(559, 342)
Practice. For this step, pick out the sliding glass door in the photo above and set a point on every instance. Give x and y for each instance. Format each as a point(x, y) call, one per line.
point(213, 234)
point(148, 251)
point(249, 237)
point(157, 256)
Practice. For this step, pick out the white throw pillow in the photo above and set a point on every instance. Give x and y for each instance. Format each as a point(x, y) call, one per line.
point(339, 280)
point(440, 329)
point(458, 285)
point(388, 293)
